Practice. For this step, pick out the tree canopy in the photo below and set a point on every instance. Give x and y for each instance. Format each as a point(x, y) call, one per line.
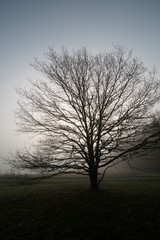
point(90, 112)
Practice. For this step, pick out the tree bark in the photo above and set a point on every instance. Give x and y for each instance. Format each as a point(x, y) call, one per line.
point(93, 179)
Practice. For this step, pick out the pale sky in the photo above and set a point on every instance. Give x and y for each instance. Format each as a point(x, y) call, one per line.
point(28, 28)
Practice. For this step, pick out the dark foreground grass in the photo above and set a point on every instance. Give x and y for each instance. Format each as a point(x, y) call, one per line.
point(65, 209)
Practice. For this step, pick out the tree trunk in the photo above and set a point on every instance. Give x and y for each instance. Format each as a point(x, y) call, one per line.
point(93, 179)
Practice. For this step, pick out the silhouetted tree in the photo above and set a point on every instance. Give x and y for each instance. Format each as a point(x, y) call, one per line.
point(92, 111)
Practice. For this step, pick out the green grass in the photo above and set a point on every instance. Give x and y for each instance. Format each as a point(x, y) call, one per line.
point(124, 208)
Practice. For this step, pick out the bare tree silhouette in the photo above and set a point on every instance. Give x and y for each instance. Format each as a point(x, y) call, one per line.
point(92, 111)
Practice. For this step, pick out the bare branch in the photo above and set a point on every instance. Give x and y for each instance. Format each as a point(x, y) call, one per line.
point(91, 112)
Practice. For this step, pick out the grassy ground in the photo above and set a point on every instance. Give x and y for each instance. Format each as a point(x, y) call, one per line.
point(65, 209)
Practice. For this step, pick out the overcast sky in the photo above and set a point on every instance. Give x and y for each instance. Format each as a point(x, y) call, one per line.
point(29, 27)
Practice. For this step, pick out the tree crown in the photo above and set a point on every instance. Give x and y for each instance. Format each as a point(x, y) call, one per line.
point(92, 111)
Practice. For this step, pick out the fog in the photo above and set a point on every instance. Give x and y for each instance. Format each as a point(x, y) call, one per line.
point(28, 29)
point(148, 166)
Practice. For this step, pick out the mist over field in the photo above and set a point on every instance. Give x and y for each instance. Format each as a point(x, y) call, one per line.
point(29, 27)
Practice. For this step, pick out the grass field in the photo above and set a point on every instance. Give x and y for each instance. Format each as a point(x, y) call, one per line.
point(124, 208)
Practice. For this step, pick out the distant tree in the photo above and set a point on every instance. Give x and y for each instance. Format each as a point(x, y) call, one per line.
point(91, 111)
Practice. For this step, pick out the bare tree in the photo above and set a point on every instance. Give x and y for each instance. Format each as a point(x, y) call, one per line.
point(92, 111)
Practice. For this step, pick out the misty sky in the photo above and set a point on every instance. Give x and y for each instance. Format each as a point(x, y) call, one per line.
point(29, 27)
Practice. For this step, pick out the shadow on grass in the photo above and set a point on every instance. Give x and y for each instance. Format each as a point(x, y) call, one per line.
point(68, 210)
